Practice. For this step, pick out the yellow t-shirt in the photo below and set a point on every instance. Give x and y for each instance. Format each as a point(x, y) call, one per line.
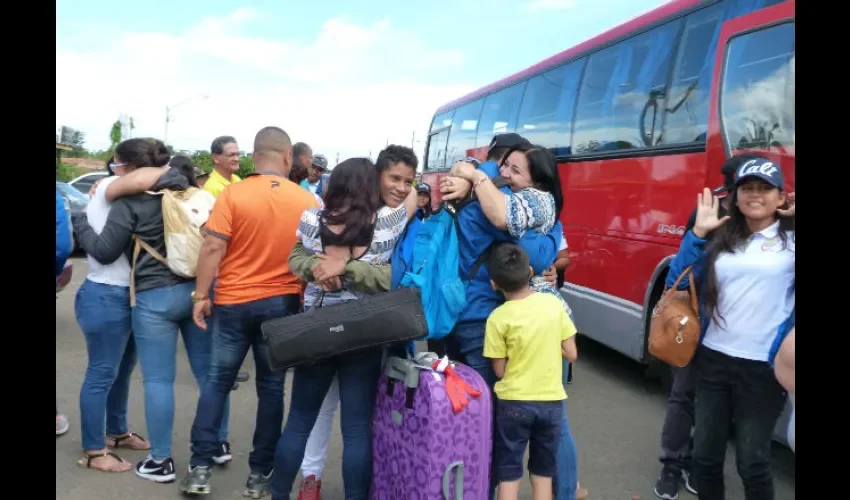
point(528, 332)
point(216, 183)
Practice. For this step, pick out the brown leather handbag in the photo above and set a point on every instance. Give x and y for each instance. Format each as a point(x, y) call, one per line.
point(674, 329)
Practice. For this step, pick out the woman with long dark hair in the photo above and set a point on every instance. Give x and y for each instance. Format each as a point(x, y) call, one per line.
point(163, 299)
point(355, 223)
point(745, 278)
point(102, 309)
point(535, 202)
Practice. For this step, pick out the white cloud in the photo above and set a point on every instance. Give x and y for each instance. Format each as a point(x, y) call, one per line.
point(348, 90)
point(537, 5)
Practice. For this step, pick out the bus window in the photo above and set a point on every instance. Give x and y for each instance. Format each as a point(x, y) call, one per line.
point(499, 114)
point(686, 117)
point(546, 115)
point(464, 128)
point(757, 95)
point(622, 93)
point(437, 140)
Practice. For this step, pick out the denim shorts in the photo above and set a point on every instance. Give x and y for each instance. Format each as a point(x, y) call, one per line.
point(536, 423)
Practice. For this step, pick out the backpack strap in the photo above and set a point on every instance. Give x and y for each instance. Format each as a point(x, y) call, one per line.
point(479, 262)
point(137, 249)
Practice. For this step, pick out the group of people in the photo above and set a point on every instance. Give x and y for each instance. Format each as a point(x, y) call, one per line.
point(289, 238)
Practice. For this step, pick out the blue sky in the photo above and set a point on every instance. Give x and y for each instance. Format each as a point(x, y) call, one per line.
point(344, 77)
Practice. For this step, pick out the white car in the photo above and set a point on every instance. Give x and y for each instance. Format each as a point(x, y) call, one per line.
point(84, 182)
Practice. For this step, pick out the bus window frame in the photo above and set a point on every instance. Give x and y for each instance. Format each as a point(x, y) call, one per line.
point(727, 45)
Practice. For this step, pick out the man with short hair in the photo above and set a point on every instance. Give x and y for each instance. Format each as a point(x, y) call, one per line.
point(302, 154)
point(225, 156)
point(249, 236)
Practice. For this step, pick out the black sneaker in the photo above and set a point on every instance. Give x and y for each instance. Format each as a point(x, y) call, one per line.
point(223, 457)
point(196, 482)
point(257, 485)
point(667, 487)
point(688, 481)
point(158, 472)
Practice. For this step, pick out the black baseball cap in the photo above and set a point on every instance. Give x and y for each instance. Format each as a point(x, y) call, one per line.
point(423, 188)
point(509, 141)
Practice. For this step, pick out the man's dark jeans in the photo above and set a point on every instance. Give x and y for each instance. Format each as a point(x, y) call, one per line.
point(235, 329)
point(676, 441)
point(747, 392)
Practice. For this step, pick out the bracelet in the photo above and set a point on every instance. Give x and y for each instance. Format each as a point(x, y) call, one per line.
point(483, 179)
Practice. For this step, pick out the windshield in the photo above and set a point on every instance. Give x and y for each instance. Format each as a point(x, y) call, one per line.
point(75, 198)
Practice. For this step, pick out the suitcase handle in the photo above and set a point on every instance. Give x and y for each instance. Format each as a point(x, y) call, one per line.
point(405, 370)
point(447, 478)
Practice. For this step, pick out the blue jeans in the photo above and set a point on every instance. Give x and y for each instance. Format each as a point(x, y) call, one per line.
point(103, 313)
point(235, 329)
point(358, 384)
point(466, 344)
point(158, 315)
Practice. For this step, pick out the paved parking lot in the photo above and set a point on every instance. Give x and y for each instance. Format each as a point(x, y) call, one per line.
point(615, 412)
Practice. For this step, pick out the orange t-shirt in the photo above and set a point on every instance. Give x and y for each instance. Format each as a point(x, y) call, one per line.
point(258, 217)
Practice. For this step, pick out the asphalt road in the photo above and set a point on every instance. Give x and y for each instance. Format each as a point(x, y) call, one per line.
point(614, 411)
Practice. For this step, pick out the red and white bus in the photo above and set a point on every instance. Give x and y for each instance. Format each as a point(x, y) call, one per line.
point(640, 118)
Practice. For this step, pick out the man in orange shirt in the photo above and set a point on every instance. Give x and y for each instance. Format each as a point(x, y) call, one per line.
point(249, 236)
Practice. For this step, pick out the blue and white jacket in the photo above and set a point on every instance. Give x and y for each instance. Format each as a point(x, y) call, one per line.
point(692, 252)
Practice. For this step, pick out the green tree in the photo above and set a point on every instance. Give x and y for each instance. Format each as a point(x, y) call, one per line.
point(78, 142)
point(203, 160)
point(114, 135)
point(246, 166)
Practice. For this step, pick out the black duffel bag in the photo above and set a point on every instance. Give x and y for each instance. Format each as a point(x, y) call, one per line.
point(325, 332)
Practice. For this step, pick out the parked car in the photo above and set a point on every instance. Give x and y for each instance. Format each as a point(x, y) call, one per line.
point(84, 182)
point(75, 202)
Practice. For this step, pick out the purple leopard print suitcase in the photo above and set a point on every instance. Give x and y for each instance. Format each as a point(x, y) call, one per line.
point(421, 449)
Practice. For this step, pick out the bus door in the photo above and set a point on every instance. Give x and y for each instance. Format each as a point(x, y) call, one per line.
point(752, 106)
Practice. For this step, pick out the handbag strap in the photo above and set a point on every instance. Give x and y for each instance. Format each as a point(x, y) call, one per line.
point(689, 272)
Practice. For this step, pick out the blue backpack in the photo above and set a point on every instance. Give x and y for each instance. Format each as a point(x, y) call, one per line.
point(427, 257)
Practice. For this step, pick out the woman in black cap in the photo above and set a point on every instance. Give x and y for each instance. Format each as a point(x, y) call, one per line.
point(423, 201)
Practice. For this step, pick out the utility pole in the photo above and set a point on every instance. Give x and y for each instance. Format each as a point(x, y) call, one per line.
point(413, 140)
point(337, 157)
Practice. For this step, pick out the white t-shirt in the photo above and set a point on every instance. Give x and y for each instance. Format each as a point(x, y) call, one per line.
point(755, 295)
point(117, 273)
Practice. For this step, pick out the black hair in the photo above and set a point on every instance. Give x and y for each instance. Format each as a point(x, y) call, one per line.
point(351, 198)
point(497, 154)
point(109, 162)
point(217, 146)
point(298, 172)
point(184, 165)
point(299, 149)
point(141, 152)
point(395, 154)
point(544, 173)
point(729, 238)
point(508, 264)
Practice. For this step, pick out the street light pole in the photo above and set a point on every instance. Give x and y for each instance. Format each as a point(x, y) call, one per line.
point(169, 108)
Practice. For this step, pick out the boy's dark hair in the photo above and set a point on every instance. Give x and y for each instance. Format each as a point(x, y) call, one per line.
point(508, 265)
point(394, 154)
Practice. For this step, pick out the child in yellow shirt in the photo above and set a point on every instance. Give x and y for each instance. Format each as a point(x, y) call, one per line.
point(526, 338)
